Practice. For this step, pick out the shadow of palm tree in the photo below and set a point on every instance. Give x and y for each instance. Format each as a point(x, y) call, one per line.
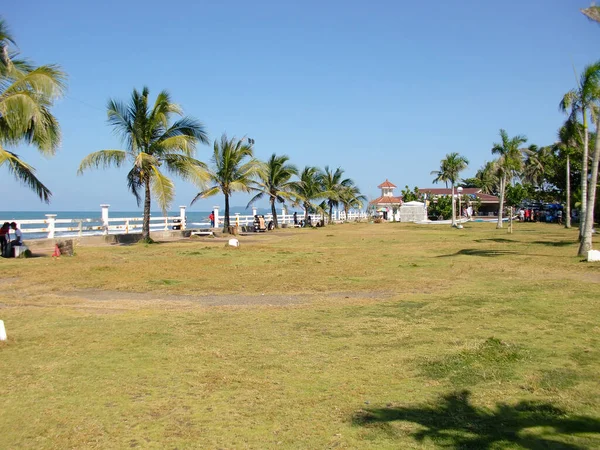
point(455, 423)
point(555, 243)
point(479, 252)
point(500, 240)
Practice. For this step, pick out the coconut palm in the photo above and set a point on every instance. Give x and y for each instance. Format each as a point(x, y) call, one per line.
point(333, 183)
point(233, 168)
point(152, 143)
point(275, 182)
point(580, 102)
point(308, 189)
point(450, 168)
point(569, 139)
point(487, 178)
point(585, 244)
point(441, 175)
point(509, 162)
point(26, 95)
point(350, 197)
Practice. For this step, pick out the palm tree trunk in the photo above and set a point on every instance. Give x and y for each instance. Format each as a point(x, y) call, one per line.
point(226, 218)
point(584, 176)
point(586, 242)
point(568, 205)
point(501, 206)
point(147, 201)
point(274, 213)
point(306, 212)
point(330, 212)
point(453, 207)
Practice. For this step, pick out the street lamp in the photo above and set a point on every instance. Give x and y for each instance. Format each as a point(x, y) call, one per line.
point(459, 190)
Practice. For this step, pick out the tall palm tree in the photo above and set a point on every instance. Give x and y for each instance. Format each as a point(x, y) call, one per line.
point(585, 244)
point(152, 142)
point(308, 189)
point(509, 162)
point(450, 168)
point(333, 183)
point(580, 102)
point(233, 169)
point(26, 95)
point(350, 197)
point(275, 182)
point(569, 139)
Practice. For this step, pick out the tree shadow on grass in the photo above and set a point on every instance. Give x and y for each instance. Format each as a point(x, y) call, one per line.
point(479, 252)
point(499, 240)
point(455, 423)
point(555, 243)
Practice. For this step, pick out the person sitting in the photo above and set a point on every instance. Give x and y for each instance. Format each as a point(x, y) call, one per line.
point(4, 238)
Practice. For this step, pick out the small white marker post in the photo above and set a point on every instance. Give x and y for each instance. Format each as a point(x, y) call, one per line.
point(2, 331)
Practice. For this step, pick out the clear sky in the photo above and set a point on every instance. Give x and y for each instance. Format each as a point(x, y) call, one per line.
point(384, 89)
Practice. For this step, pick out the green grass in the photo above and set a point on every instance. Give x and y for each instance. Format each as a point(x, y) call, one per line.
point(402, 337)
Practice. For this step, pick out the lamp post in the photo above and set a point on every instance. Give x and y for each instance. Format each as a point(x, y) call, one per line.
point(459, 190)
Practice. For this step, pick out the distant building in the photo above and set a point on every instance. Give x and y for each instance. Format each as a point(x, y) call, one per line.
point(387, 202)
point(489, 203)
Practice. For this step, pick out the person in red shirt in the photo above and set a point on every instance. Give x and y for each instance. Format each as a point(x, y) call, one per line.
point(212, 219)
point(4, 237)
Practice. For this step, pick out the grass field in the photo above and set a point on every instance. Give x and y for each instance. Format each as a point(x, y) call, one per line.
point(366, 336)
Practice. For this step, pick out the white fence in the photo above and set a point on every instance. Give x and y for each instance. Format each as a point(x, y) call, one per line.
point(51, 226)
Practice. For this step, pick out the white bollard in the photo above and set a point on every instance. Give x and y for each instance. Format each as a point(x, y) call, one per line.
point(2, 331)
point(593, 256)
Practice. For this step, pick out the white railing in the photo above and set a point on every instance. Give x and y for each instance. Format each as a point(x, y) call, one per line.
point(51, 225)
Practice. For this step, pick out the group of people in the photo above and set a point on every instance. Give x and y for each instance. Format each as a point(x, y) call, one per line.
point(537, 215)
point(6, 243)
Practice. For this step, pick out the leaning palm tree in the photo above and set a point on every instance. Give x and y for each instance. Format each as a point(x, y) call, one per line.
point(509, 162)
point(26, 95)
point(152, 142)
point(275, 182)
point(350, 197)
point(450, 168)
point(308, 189)
point(333, 184)
point(581, 102)
point(233, 169)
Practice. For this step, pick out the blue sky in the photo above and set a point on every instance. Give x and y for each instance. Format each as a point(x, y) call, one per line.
point(383, 89)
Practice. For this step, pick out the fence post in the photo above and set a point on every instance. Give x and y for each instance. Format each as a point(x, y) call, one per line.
point(105, 217)
point(182, 217)
point(216, 211)
point(80, 228)
point(253, 211)
point(283, 211)
point(50, 219)
point(237, 219)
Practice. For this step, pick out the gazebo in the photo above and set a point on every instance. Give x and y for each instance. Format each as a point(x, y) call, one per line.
point(387, 202)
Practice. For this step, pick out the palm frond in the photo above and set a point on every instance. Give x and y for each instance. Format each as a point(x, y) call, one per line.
point(213, 190)
point(162, 188)
point(102, 159)
point(24, 173)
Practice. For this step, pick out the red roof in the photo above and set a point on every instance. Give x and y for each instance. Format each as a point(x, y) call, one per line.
point(386, 200)
point(386, 184)
point(486, 198)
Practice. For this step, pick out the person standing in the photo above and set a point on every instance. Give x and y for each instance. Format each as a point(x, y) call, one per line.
point(295, 218)
point(211, 217)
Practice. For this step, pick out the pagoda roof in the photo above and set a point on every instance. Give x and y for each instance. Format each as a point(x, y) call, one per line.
point(386, 184)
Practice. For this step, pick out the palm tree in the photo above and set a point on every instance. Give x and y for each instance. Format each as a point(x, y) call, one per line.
point(309, 188)
point(26, 95)
point(450, 168)
point(487, 178)
point(578, 102)
point(233, 168)
point(592, 13)
point(350, 197)
point(333, 184)
point(585, 244)
point(509, 162)
point(568, 141)
point(152, 142)
point(274, 181)
point(440, 175)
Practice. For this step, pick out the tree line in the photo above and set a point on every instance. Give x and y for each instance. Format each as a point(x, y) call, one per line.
point(159, 141)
